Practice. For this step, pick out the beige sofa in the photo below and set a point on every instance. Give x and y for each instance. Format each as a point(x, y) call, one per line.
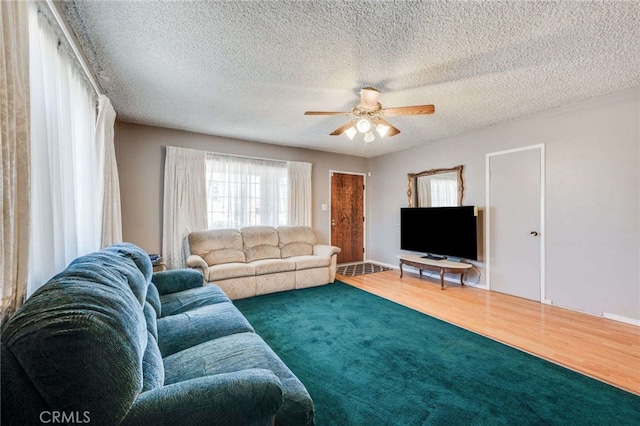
point(261, 259)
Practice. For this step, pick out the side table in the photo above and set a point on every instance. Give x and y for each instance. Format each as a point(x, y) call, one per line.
point(158, 265)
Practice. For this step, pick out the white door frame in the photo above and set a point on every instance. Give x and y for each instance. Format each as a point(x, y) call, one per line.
point(364, 208)
point(487, 248)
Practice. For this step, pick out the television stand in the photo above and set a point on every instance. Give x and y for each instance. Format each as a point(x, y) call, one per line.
point(441, 266)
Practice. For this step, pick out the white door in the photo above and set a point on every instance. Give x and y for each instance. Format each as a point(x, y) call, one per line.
point(515, 206)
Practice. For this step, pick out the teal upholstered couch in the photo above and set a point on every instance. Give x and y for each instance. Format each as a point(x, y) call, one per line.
point(101, 343)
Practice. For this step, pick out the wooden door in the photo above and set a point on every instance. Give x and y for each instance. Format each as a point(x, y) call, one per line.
point(347, 216)
point(515, 223)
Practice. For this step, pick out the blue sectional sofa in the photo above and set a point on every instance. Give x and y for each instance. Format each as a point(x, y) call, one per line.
point(108, 342)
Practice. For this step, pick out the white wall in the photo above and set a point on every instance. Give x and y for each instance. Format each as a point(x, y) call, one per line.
point(140, 154)
point(592, 196)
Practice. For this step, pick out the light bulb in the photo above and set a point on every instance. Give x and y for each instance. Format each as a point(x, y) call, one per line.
point(363, 125)
point(368, 137)
point(382, 130)
point(350, 132)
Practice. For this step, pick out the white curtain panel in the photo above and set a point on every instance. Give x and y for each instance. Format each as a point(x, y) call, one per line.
point(444, 191)
point(65, 220)
point(15, 155)
point(299, 193)
point(185, 203)
point(245, 191)
point(108, 168)
point(423, 186)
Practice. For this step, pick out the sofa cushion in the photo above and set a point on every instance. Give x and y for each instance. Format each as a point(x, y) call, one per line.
point(96, 266)
point(260, 242)
point(21, 402)
point(151, 318)
point(296, 240)
point(181, 331)
point(246, 397)
point(81, 337)
point(222, 256)
point(152, 365)
point(239, 352)
point(272, 266)
point(217, 246)
point(183, 301)
point(174, 280)
point(308, 262)
point(135, 254)
point(153, 298)
point(230, 270)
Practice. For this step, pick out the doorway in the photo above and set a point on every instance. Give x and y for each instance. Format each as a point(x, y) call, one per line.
point(515, 222)
point(347, 216)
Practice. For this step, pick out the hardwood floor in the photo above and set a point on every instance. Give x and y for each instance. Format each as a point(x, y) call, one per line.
point(600, 348)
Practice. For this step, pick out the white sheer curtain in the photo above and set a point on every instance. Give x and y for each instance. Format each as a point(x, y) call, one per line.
point(108, 170)
point(185, 202)
point(437, 191)
point(299, 193)
point(423, 187)
point(66, 220)
point(14, 155)
point(245, 191)
point(444, 191)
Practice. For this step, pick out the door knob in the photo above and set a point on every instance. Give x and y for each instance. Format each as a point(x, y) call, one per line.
point(333, 222)
point(534, 233)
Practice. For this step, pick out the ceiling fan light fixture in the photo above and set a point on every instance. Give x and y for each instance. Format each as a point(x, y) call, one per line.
point(369, 116)
point(368, 137)
point(382, 130)
point(363, 125)
point(350, 132)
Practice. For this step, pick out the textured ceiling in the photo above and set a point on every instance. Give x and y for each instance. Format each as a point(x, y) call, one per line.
point(249, 70)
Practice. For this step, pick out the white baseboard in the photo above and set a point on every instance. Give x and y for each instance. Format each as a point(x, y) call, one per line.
point(606, 315)
point(387, 265)
point(620, 318)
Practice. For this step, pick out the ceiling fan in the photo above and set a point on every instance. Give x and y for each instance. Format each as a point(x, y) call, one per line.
point(369, 114)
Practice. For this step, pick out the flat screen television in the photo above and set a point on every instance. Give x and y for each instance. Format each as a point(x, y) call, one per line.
point(440, 231)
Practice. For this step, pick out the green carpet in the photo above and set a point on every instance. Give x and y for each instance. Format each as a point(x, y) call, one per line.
point(369, 361)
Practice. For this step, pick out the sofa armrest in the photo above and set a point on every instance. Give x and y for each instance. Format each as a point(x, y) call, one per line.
point(250, 396)
point(175, 280)
point(325, 250)
point(197, 262)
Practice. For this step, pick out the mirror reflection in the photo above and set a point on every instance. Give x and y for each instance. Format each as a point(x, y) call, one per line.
point(436, 188)
point(439, 190)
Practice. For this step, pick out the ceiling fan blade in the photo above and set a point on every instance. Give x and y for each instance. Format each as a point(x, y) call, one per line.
point(344, 127)
point(392, 130)
point(326, 113)
point(408, 110)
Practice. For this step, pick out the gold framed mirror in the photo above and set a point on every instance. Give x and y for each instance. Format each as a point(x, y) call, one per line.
point(436, 187)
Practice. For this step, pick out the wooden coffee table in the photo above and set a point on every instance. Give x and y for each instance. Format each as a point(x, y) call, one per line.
point(435, 265)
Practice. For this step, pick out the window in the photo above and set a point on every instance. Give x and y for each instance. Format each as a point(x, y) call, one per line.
point(246, 192)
